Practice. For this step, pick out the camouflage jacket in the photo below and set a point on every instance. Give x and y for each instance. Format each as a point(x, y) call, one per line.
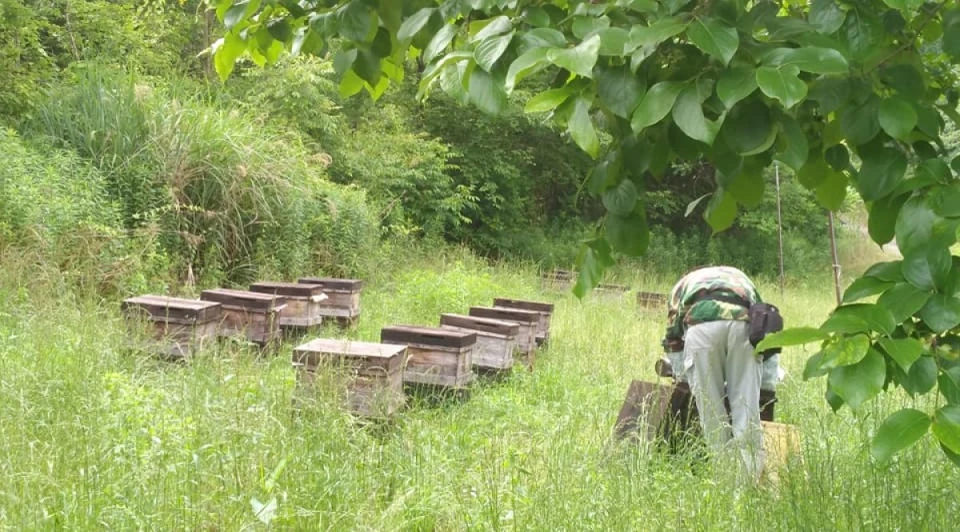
point(685, 310)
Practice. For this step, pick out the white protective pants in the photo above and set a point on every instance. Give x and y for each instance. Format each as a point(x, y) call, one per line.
point(720, 363)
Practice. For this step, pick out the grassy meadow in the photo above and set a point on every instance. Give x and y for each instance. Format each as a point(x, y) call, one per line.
point(92, 437)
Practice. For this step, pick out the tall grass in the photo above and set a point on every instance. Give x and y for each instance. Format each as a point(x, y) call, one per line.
point(92, 437)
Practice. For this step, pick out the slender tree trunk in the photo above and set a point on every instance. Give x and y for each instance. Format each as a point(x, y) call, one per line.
point(836, 258)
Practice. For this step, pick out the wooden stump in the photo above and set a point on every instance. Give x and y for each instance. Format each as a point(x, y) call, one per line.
point(374, 386)
point(437, 357)
point(343, 298)
point(249, 315)
point(303, 303)
point(496, 340)
point(527, 321)
point(544, 309)
point(179, 327)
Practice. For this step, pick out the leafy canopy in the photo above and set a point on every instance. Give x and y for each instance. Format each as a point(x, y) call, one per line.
point(852, 93)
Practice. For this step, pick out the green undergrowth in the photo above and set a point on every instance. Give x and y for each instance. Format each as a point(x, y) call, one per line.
point(92, 437)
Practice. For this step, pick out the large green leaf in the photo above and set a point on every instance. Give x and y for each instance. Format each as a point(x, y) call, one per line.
point(482, 30)
point(951, 38)
point(790, 337)
point(226, 53)
point(882, 222)
point(949, 385)
point(528, 63)
point(905, 79)
point(795, 148)
point(897, 118)
point(488, 52)
point(688, 115)
point(860, 382)
point(621, 199)
point(861, 31)
point(830, 93)
point(899, 431)
point(826, 15)
point(548, 100)
point(927, 267)
point(594, 261)
point(881, 172)
point(652, 35)
point(656, 104)
point(782, 83)
point(627, 234)
point(619, 89)
point(415, 23)
point(747, 186)
point(810, 59)
point(584, 26)
point(904, 300)
point(862, 317)
point(941, 313)
point(844, 351)
point(721, 211)
point(904, 351)
point(486, 92)
point(440, 41)
point(886, 271)
point(580, 59)
point(749, 129)
point(358, 22)
point(915, 225)
point(860, 123)
point(812, 368)
point(715, 37)
point(946, 201)
point(946, 427)
point(581, 128)
point(832, 192)
point(922, 376)
point(865, 287)
point(736, 84)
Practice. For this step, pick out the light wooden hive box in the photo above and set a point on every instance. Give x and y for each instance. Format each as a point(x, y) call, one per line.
point(557, 280)
point(496, 339)
point(651, 300)
point(303, 302)
point(343, 297)
point(435, 356)
point(374, 386)
point(251, 315)
point(544, 309)
point(526, 319)
point(179, 327)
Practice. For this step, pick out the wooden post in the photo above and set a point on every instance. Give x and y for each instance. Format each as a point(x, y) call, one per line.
point(836, 259)
point(779, 227)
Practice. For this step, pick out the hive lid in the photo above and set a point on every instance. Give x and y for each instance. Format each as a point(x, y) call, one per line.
point(351, 348)
point(501, 313)
point(242, 299)
point(506, 328)
point(173, 308)
point(523, 304)
point(333, 283)
point(411, 334)
point(289, 289)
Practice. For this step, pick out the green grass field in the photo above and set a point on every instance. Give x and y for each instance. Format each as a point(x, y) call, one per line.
point(93, 438)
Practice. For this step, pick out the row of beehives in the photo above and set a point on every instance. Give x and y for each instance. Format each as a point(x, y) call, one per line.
point(488, 340)
point(179, 326)
point(565, 279)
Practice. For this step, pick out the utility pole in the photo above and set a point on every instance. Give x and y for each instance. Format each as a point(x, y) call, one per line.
point(779, 228)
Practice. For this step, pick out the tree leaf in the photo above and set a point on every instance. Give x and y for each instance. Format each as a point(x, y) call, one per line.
point(881, 172)
point(721, 211)
point(656, 104)
point(886, 271)
point(812, 369)
point(482, 30)
point(439, 43)
point(656, 33)
point(584, 26)
point(838, 157)
point(488, 52)
point(844, 351)
point(595, 260)
point(927, 267)
point(795, 147)
point(941, 313)
point(613, 41)
point(542, 38)
point(826, 16)
point(627, 234)
point(529, 62)
point(414, 24)
point(581, 128)
point(883, 218)
point(832, 192)
point(946, 427)
point(812, 59)
point(782, 83)
point(904, 300)
point(229, 50)
point(857, 318)
point(791, 337)
point(949, 385)
point(749, 129)
point(860, 382)
point(619, 89)
point(486, 92)
point(897, 118)
point(859, 123)
point(915, 225)
point(861, 32)
point(358, 22)
point(736, 84)
point(367, 66)
point(904, 351)
point(905, 79)
point(693, 204)
point(898, 432)
point(946, 201)
point(580, 59)
point(714, 37)
point(830, 93)
point(865, 287)
point(621, 199)
point(548, 100)
point(922, 376)
point(688, 115)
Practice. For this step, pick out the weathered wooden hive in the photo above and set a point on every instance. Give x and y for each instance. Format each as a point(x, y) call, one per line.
point(651, 300)
point(179, 327)
point(343, 297)
point(611, 290)
point(374, 372)
point(250, 315)
point(435, 356)
point(496, 339)
point(544, 309)
point(303, 302)
point(526, 319)
point(558, 280)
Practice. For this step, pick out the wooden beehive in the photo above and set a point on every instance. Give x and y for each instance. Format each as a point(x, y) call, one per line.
point(651, 300)
point(611, 290)
point(303, 302)
point(544, 309)
point(250, 315)
point(526, 319)
point(435, 356)
point(343, 297)
point(656, 413)
point(558, 280)
point(179, 326)
point(374, 385)
point(781, 444)
point(496, 339)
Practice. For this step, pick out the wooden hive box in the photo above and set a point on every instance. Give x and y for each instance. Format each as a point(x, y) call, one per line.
point(526, 319)
point(435, 356)
point(651, 300)
point(343, 296)
point(558, 280)
point(544, 309)
point(496, 339)
point(250, 315)
point(781, 444)
point(611, 290)
point(303, 302)
point(375, 384)
point(179, 326)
